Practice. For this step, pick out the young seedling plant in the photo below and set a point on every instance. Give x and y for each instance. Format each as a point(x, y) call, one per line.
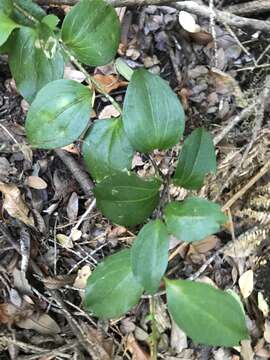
point(152, 118)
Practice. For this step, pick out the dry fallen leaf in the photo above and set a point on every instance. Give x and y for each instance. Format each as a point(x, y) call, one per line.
point(73, 207)
point(266, 333)
point(188, 23)
point(246, 350)
point(206, 244)
point(82, 276)
point(43, 324)
point(72, 74)
point(137, 352)
point(262, 304)
point(108, 112)
point(36, 182)
point(178, 340)
point(109, 82)
point(65, 241)
point(58, 282)
point(246, 283)
point(14, 204)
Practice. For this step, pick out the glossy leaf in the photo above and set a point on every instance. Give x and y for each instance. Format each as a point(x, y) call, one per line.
point(149, 255)
point(51, 21)
point(7, 25)
point(126, 199)
point(106, 148)
point(193, 219)
point(91, 30)
point(112, 289)
point(35, 60)
point(207, 315)
point(153, 116)
point(59, 114)
point(196, 160)
point(28, 6)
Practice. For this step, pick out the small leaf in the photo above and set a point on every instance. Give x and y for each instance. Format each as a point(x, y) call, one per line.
point(51, 21)
point(123, 68)
point(149, 255)
point(6, 6)
point(193, 219)
point(126, 199)
point(153, 116)
point(112, 289)
point(91, 30)
point(35, 60)
point(7, 25)
point(246, 283)
point(196, 160)
point(106, 148)
point(59, 114)
point(207, 315)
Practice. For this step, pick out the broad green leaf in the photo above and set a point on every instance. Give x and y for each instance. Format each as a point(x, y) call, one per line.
point(149, 255)
point(59, 114)
point(207, 315)
point(106, 148)
point(27, 6)
point(153, 116)
point(193, 219)
point(6, 6)
point(112, 289)
point(35, 60)
point(126, 199)
point(7, 25)
point(91, 31)
point(196, 160)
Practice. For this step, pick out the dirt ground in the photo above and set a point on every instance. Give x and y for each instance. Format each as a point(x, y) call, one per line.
point(221, 75)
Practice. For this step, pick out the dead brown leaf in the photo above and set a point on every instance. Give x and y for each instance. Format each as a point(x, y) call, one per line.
point(110, 82)
point(59, 281)
point(14, 204)
point(36, 182)
point(137, 352)
point(108, 112)
point(41, 323)
point(246, 283)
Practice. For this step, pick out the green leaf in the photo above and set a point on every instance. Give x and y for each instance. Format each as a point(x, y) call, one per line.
point(123, 69)
point(51, 21)
point(29, 7)
point(6, 27)
point(196, 160)
point(193, 219)
point(6, 6)
point(207, 315)
point(35, 60)
point(106, 148)
point(59, 114)
point(91, 30)
point(112, 289)
point(126, 199)
point(153, 116)
point(149, 255)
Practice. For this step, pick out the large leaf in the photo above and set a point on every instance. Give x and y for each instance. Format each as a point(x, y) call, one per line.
point(59, 114)
point(153, 116)
point(106, 148)
point(193, 219)
point(91, 30)
point(35, 60)
point(207, 315)
point(196, 160)
point(149, 255)
point(127, 199)
point(112, 289)
point(6, 6)
point(27, 6)
point(7, 25)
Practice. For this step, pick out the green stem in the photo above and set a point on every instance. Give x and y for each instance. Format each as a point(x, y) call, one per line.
point(25, 13)
point(90, 79)
point(154, 335)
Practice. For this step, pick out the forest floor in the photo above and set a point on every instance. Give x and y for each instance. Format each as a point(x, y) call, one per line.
point(221, 74)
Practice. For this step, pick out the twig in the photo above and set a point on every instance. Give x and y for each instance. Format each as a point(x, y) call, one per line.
point(213, 30)
point(91, 206)
point(251, 7)
point(190, 6)
point(79, 174)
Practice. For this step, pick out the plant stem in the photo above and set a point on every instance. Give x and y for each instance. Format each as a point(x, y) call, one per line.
point(154, 335)
point(90, 79)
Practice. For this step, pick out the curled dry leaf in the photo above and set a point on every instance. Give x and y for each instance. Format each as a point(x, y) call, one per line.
point(246, 283)
point(137, 352)
point(205, 245)
point(108, 112)
point(266, 333)
point(188, 23)
point(58, 282)
point(65, 241)
point(43, 324)
point(73, 207)
point(110, 82)
point(36, 182)
point(81, 279)
point(262, 304)
point(14, 204)
point(178, 340)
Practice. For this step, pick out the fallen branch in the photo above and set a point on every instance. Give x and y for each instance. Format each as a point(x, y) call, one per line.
point(190, 6)
point(248, 8)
